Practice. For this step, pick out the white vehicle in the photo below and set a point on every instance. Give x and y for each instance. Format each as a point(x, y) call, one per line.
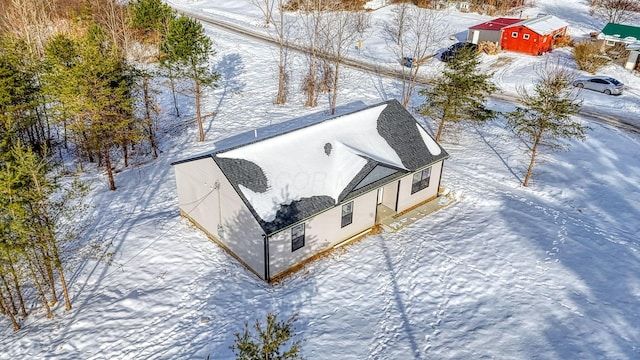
point(604, 84)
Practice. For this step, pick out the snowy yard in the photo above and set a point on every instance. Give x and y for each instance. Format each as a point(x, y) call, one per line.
point(548, 272)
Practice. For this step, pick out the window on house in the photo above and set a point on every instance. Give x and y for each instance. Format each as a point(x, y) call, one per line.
point(514, 34)
point(610, 43)
point(525, 36)
point(420, 180)
point(347, 214)
point(297, 237)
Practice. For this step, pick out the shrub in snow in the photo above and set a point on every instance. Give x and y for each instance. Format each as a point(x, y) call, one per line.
point(273, 341)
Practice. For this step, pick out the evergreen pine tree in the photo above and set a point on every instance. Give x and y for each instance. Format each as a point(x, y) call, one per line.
point(18, 93)
point(546, 115)
point(459, 93)
point(186, 50)
point(274, 341)
point(90, 87)
point(151, 17)
point(35, 215)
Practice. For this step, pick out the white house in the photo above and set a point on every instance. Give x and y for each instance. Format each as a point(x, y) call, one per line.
point(276, 202)
point(628, 36)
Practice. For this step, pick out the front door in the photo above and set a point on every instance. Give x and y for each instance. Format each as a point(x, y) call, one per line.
point(380, 193)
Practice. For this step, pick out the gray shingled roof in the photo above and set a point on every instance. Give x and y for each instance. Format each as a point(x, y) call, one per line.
point(394, 124)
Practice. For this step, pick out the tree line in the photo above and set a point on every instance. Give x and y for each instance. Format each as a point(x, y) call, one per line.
point(77, 85)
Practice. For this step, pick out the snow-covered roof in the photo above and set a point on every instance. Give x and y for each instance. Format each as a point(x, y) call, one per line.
point(496, 24)
point(294, 175)
point(543, 25)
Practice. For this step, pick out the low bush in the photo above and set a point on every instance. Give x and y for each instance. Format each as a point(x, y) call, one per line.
point(564, 41)
point(588, 56)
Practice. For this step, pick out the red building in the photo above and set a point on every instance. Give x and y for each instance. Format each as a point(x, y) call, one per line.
point(490, 30)
point(533, 36)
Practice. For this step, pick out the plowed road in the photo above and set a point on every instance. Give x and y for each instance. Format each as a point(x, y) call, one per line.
point(629, 124)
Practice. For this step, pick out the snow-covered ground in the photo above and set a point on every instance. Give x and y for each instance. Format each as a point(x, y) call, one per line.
point(551, 271)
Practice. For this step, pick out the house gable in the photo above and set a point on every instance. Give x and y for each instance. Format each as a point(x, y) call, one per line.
point(372, 176)
point(208, 199)
point(379, 172)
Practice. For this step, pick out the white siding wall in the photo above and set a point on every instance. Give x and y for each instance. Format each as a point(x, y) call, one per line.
point(199, 200)
point(493, 36)
point(390, 195)
point(632, 60)
point(243, 235)
point(321, 232)
point(407, 200)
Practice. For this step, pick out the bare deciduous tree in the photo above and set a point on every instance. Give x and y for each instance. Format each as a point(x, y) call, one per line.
point(340, 31)
point(29, 20)
point(311, 23)
point(399, 22)
point(424, 29)
point(115, 18)
point(281, 35)
point(614, 11)
point(266, 7)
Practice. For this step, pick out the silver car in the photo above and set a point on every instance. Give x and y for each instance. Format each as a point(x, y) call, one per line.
point(604, 84)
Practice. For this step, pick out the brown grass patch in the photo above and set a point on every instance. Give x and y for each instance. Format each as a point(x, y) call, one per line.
point(304, 5)
point(502, 61)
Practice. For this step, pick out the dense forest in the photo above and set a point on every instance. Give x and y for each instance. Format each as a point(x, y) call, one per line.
point(77, 85)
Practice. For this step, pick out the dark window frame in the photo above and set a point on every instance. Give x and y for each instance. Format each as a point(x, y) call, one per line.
point(420, 180)
point(346, 219)
point(297, 237)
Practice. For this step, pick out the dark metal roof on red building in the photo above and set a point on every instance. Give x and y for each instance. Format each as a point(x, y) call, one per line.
point(495, 24)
